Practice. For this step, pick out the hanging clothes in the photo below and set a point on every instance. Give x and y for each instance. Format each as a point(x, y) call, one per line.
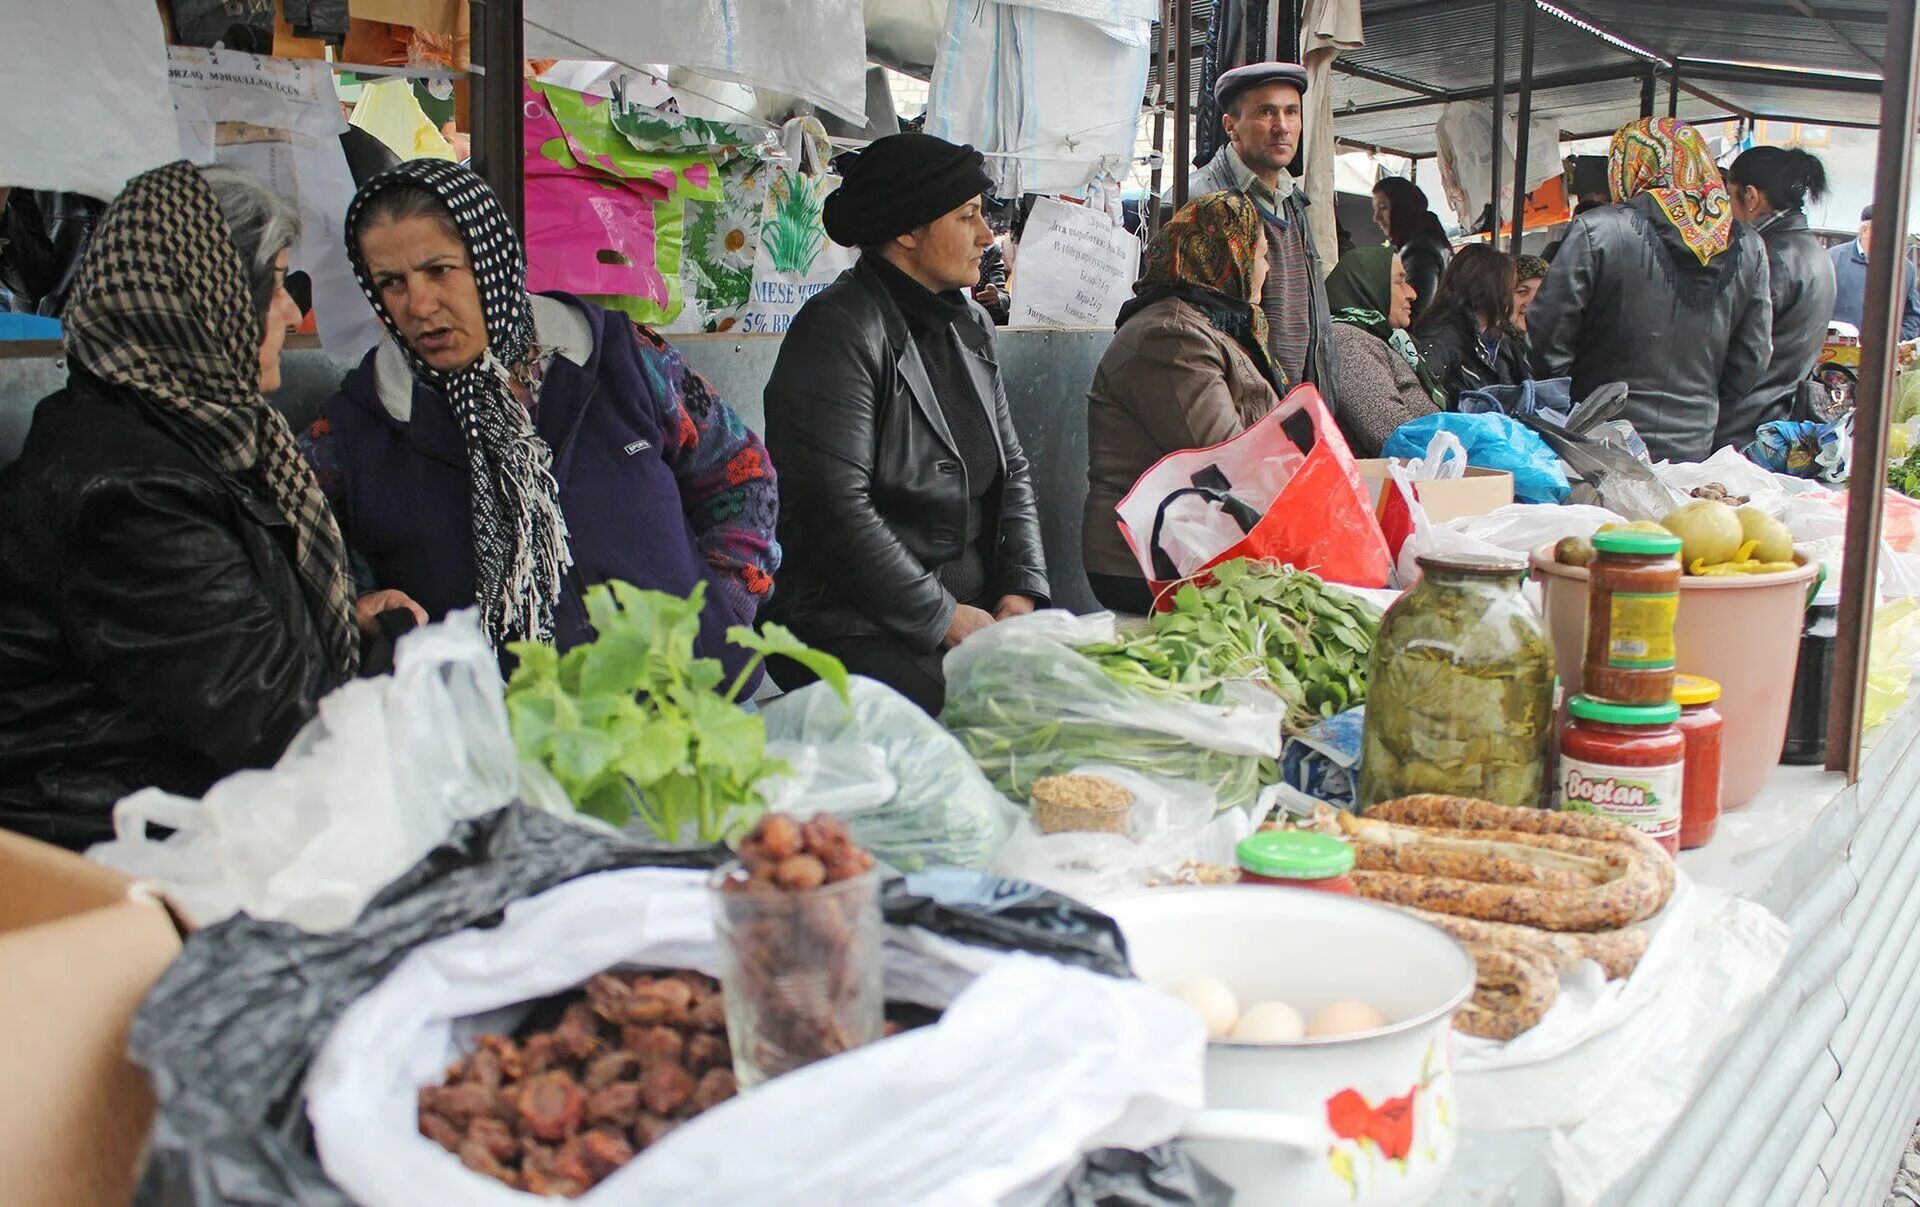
point(1236, 36)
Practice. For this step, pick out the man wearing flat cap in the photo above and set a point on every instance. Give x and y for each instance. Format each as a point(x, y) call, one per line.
point(1260, 110)
point(907, 515)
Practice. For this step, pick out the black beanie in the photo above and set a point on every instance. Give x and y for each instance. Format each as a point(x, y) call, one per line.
point(900, 183)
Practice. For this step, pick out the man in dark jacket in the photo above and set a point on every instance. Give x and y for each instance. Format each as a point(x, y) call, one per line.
point(907, 511)
point(1260, 107)
point(1850, 283)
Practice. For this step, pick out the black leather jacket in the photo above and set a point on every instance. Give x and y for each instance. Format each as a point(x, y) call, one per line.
point(152, 629)
point(1627, 301)
point(1800, 281)
point(873, 495)
point(1450, 344)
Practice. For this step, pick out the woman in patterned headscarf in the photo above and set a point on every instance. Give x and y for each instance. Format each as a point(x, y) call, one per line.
point(1662, 290)
point(174, 595)
point(1187, 369)
point(510, 450)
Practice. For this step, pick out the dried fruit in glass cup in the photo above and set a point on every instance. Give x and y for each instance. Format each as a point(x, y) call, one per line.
point(799, 922)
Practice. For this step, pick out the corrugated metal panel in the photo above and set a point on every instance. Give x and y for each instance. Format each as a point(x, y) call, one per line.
point(1585, 109)
point(1748, 32)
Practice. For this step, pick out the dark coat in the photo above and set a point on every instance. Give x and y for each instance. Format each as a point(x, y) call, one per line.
point(1850, 290)
point(405, 503)
point(873, 494)
point(153, 631)
point(1451, 346)
point(1425, 255)
point(1627, 301)
point(1800, 280)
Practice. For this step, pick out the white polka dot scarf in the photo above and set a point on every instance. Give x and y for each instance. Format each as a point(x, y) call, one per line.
point(163, 308)
point(520, 546)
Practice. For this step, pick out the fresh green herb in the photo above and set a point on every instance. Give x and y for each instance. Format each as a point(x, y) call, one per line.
point(1904, 475)
point(1262, 624)
point(632, 724)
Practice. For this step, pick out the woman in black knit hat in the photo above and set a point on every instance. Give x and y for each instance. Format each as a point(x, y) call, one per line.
point(907, 516)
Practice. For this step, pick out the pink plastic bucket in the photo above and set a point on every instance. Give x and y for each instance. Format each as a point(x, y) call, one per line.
point(1740, 631)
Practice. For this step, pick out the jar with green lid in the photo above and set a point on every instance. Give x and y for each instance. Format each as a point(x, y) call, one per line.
point(1626, 763)
point(1460, 689)
point(1296, 859)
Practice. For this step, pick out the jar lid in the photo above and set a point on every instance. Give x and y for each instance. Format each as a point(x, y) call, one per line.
point(1588, 709)
point(1473, 563)
point(1627, 540)
point(1294, 855)
point(1689, 690)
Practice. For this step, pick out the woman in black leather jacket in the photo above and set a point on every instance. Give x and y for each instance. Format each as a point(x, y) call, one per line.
point(907, 517)
point(1400, 207)
point(174, 594)
point(1769, 187)
point(1467, 336)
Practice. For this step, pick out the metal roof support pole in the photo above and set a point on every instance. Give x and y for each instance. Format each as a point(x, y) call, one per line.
point(498, 155)
point(1523, 128)
point(1879, 338)
point(1160, 118)
point(1673, 92)
point(1646, 95)
point(1499, 115)
point(1182, 99)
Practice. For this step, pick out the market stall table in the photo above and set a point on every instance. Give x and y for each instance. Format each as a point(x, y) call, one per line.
point(1808, 1095)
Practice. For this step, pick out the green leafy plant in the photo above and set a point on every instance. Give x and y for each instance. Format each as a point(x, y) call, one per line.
point(792, 233)
point(632, 724)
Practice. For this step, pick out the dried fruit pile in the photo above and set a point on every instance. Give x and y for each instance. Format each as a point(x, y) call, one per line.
point(559, 1109)
point(801, 945)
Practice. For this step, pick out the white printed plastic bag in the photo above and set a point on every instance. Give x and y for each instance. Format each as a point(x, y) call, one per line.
point(1079, 1061)
point(368, 787)
point(794, 259)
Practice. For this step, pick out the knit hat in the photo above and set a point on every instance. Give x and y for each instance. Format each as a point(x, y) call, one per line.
point(900, 183)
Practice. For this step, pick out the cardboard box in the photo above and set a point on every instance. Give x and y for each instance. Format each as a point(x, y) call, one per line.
point(1481, 491)
point(80, 946)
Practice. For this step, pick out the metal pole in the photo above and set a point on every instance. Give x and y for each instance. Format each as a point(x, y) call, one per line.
point(1524, 123)
point(1499, 116)
point(1160, 118)
point(1673, 92)
point(1182, 99)
point(1879, 339)
point(1646, 95)
point(498, 155)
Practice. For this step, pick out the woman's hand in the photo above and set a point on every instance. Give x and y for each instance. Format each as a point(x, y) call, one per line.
point(967, 620)
point(368, 607)
point(1013, 605)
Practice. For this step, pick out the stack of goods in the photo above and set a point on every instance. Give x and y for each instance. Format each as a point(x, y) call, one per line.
point(1530, 892)
point(558, 1108)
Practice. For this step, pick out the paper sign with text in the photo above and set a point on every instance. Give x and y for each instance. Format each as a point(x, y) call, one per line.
point(1076, 266)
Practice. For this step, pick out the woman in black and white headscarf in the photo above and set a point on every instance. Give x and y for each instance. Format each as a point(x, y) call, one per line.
point(510, 450)
point(174, 593)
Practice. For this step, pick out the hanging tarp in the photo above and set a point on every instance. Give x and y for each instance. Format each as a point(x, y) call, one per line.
point(1464, 136)
point(1049, 89)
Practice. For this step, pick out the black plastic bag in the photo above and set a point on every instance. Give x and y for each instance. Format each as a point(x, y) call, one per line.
point(229, 1030)
point(235, 24)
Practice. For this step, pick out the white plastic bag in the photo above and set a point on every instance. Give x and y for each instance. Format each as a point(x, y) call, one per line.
point(793, 259)
point(1171, 823)
point(934, 805)
point(1033, 1064)
point(1197, 530)
point(1026, 703)
point(368, 787)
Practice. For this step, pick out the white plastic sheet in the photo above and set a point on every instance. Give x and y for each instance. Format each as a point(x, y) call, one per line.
point(1464, 138)
point(364, 791)
point(85, 93)
point(819, 54)
point(1033, 1064)
point(1049, 89)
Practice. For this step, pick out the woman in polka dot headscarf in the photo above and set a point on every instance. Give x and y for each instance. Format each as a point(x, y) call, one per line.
point(507, 450)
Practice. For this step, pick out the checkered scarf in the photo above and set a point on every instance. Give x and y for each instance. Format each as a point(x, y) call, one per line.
point(520, 545)
point(162, 307)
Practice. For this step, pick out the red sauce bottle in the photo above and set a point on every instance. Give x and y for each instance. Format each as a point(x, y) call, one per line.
point(1700, 724)
point(1626, 763)
point(1296, 859)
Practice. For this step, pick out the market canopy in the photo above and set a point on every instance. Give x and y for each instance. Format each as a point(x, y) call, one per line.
point(1593, 59)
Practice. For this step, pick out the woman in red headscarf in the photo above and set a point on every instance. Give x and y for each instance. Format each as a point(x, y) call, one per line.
point(1662, 290)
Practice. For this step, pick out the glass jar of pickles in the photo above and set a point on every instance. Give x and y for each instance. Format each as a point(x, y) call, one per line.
point(1460, 689)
